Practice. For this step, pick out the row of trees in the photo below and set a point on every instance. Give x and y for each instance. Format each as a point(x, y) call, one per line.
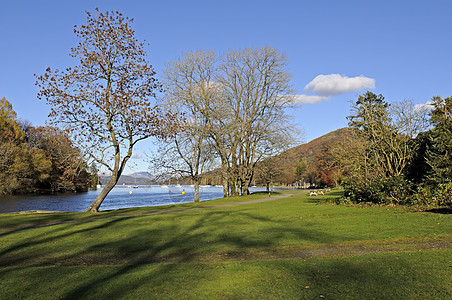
point(397, 152)
point(219, 109)
point(38, 159)
point(234, 107)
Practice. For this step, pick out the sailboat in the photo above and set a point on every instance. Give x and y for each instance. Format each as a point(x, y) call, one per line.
point(135, 186)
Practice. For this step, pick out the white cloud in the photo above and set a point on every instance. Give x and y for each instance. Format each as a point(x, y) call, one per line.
point(307, 99)
point(425, 106)
point(136, 156)
point(335, 84)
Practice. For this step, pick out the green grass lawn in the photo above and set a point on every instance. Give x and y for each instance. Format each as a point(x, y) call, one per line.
point(290, 248)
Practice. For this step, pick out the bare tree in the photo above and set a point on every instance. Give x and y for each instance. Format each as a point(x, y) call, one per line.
point(104, 101)
point(239, 100)
point(257, 91)
point(192, 92)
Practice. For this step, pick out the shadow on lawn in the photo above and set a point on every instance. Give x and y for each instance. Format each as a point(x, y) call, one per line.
point(374, 277)
point(148, 240)
point(8, 257)
point(168, 241)
point(175, 244)
point(444, 210)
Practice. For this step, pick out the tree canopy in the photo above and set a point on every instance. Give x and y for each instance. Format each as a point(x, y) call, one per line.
point(105, 100)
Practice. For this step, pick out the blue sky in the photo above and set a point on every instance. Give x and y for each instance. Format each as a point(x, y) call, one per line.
point(401, 49)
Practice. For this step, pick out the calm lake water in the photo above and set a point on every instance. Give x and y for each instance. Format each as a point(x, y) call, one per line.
point(119, 197)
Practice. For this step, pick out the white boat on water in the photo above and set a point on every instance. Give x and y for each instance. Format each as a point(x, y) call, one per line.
point(164, 186)
point(177, 186)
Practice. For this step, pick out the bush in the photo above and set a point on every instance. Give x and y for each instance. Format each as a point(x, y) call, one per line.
point(394, 190)
point(431, 195)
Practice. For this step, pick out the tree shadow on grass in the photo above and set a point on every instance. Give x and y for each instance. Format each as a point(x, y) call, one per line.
point(16, 254)
point(161, 241)
point(443, 210)
point(389, 276)
point(204, 240)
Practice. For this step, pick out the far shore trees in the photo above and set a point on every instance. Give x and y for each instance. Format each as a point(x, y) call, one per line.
point(238, 101)
point(37, 159)
point(104, 101)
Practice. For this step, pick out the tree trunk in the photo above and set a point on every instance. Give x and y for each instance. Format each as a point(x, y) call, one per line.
point(94, 207)
point(233, 186)
point(247, 182)
point(116, 174)
point(196, 191)
point(225, 176)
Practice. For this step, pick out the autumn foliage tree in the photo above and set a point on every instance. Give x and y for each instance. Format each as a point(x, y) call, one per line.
point(9, 126)
point(104, 101)
point(69, 168)
point(37, 160)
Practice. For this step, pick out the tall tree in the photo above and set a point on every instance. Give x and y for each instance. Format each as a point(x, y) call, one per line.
point(104, 101)
point(439, 154)
point(239, 99)
point(388, 130)
point(257, 90)
point(10, 129)
point(191, 91)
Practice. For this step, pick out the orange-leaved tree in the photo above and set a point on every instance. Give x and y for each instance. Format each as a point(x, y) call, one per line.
point(105, 100)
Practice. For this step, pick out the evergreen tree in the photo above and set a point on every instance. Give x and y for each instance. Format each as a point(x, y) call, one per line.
point(439, 154)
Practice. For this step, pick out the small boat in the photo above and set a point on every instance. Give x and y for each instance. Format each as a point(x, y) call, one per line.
point(178, 186)
point(135, 186)
point(164, 186)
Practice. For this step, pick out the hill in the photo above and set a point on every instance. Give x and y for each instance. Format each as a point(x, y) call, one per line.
point(286, 162)
point(137, 178)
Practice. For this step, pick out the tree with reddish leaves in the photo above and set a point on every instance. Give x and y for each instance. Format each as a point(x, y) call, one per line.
point(105, 100)
point(69, 168)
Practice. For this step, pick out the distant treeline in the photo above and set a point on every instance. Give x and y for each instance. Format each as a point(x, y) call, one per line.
point(39, 159)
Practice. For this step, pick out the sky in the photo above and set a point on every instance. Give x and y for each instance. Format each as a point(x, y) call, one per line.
point(336, 50)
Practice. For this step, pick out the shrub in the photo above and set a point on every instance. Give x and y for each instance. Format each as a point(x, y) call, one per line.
point(394, 190)
point(431, 195)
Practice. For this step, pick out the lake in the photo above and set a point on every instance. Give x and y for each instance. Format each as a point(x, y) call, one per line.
point(119, 197)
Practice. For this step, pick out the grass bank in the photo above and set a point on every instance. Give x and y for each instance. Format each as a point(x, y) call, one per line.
point(289, 247)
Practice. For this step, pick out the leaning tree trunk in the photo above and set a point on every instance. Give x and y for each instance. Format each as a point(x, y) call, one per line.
point(116, 174)
point(94, 207)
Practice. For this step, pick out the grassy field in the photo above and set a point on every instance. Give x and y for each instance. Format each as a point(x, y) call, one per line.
point(291, 248)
